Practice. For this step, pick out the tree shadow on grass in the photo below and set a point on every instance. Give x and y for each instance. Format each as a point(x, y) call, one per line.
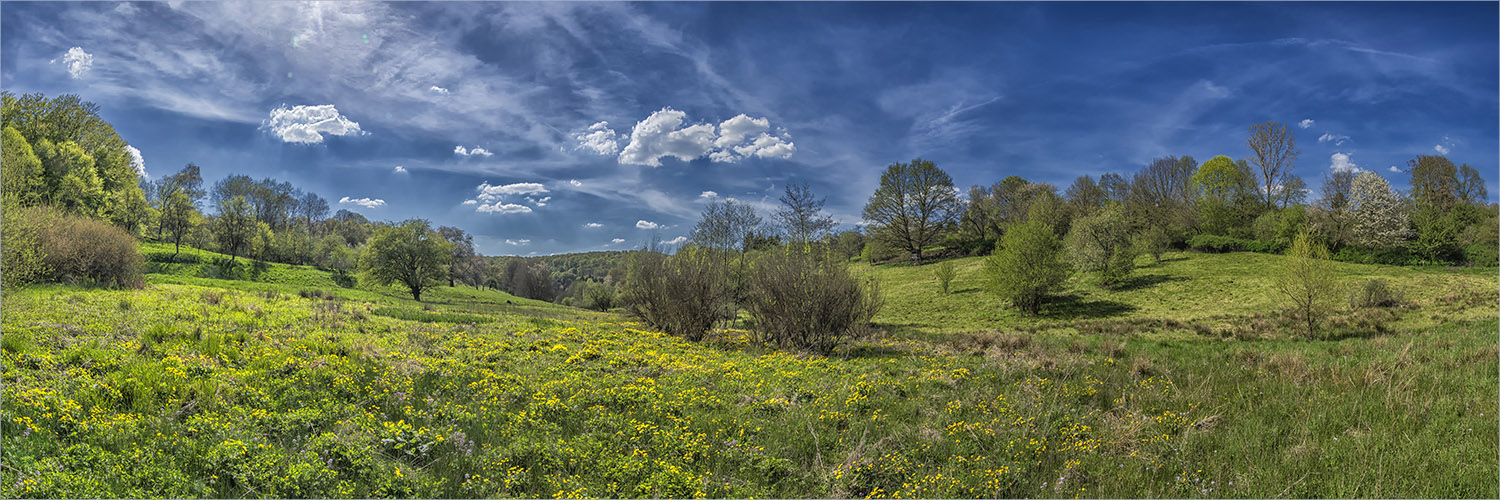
point(1072, 306)
point(1145, 280)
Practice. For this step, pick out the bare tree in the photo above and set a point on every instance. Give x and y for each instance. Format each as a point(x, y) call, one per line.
point(1275, 151)
point(1470, 186)
point(801, 214)
point(725, 224)
point(914, 204)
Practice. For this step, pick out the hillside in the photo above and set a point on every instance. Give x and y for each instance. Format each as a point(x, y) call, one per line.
point(210, 387)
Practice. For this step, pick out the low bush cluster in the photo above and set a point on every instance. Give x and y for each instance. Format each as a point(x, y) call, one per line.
point(85, 250)
point(802, 300)
point(678, 294)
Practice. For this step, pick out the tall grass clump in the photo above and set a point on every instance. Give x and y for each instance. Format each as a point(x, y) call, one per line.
point(679, 294)
point(82, 249)
point(801, 299)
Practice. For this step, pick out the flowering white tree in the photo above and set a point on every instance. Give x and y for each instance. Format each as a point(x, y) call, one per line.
point(1380, 220)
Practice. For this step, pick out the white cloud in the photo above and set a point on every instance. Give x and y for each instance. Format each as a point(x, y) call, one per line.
point(307, 124)
point(477, 151)
point(575, 183)
point(658, 136)
point(1306, 123)
point(735, 130)
point(78, 62)
point(617, 241)
point(765, 146)
point(1393, 169)
point(1337, 140)
point(1339, 162)
point(1441, 149)
point(593, 225)
point(137, 161)
point(599, 139)
point(501, 207)
point(439, 90)
point(363, 202)
point(517, 242)
point(675, 241)
point(471, 202)
point(709, 195)
point(645, 224)
point(400, 169)
point(488, 193)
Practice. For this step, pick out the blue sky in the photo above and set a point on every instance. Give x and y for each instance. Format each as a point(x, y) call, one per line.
point(547, 128)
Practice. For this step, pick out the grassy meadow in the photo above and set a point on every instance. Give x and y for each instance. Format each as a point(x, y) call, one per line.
point(270, 380)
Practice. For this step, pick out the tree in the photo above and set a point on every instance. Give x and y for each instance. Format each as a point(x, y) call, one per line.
point(725, 225)
point(1307, 281)
point(1335, 220)
point(1380, 219)
point(945, 273)
point(801, 215)
point(410, 254)
point(178, 217)
point(1028, 266)
point(1217, 184)
point(1434, 183)
point(235, 226)
point(1100, 243)
point(190, 180)
point(1115, 187)
point(20, 170)
point(1471, 188)
point(462, 247)
point(1162, 194)
point(313, 208)
point(1153, 241)
point(913, 206)
point(1086, 196)
point(1274, 151)
point(848, 244)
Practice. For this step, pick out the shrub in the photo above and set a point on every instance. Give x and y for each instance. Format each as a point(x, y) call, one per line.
point(1153, 241)
point(800, 299)
point(944, 272)
point(1100, 243)
point(1375, 293)
point(1307, 281)
point(597, 296)
point(1214, 243)
point(1028, 266)
point(1276, 245)
point(20, 246)
point(89, 250)
point(680, 294)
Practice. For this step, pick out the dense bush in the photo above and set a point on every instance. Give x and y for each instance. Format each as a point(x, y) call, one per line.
point(1214, 243)
point(82, 249)
point(680, 294)
point(803, 300)
point(1384, 256)
point(20, 247)
point(1275, 245)
point(1153, 241)
point(1028, 266)
point(1375, 293)
point(597, 296)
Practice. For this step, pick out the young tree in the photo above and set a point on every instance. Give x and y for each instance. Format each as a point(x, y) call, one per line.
point(1217, 184)
point(1153, 241)
point(1380, 218)
point(462, 246)
point(914, 204)
point(178, 217)
point(1335, 220)
point(410, 254)
point(1100, 243)
point(1307, 281)
point(725, 225)
point(801, 215)
point(1274, 151)
point(235, 226)
point(945, 273)
point(1028, 266)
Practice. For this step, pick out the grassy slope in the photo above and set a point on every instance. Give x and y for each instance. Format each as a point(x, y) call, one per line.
point(188, 389)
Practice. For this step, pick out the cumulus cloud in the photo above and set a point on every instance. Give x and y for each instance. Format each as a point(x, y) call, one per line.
point(593, 225)
point(77, 61)
point(489, 193)
point(645, 224)
point(1441, 149)
point(764, 146)
point(709, 195)
point(617, 241)
point(575, 183)
point(400, 169)
point(1393, 169)
point(1337, 140)
point(1306, 123)
point(517, 242)
point(1340, 162)
point(439, 90)
point(599, 139)
point(501, 207)
point(675, 241)
point(137, 161)
point(477, 151)
point(659, 136)
point(363, 202)
point(307, 124)
point(471, 202)
point(734, 130)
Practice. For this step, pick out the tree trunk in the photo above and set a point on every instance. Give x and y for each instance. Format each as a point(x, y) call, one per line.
point(416, 293)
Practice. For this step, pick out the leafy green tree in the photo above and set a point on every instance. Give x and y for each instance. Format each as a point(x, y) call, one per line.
point(945, 272)
point(913, 206)
point(410, 254)
point(235, 227)
point(1100, 243)
point(1307, 281)
point(20, 170)
point(1085, 196)
point(178, 217)
point(1434, 183)
point(1218, 183)
point(1153, 241)
point(1028, 266)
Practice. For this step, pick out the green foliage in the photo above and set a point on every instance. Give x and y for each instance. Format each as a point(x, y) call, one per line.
point(410, 254)
point(1028, 266)
point(1307, 281)
point(1100, 243)
point(597, 296)
point(21, 180)
point(1437, 234)
point(20, 243)
point(1215, 243)
point(800, 299)
point(235, 227)
point(945, 272)
point(1375, 293)
point(913, 207)
point(1153, 241)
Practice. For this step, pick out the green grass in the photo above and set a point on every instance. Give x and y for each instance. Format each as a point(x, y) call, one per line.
point(205, 387)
